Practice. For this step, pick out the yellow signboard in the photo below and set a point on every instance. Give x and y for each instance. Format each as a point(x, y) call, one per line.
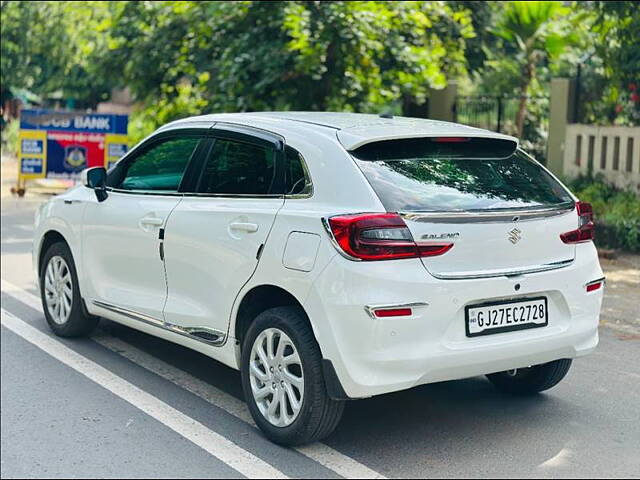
point(115, 146)
point(32, 153)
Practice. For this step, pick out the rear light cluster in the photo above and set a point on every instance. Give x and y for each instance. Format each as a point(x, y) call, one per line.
point(379, 236)
point(586, 229)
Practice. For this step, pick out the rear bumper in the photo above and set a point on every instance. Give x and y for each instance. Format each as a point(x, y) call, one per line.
point(376, 356)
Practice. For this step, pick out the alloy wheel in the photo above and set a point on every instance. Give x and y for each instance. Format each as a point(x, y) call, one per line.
point(276, 377)
point(58, 289)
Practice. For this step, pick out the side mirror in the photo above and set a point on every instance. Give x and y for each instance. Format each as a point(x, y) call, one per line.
point(95, 178)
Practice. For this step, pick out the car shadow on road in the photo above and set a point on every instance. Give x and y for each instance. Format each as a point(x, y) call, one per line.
point(454, 425)
point(428, 427)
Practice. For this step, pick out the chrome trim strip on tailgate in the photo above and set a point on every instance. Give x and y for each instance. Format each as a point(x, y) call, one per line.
point(206, 335)
point(502, 273)
point(489, 216)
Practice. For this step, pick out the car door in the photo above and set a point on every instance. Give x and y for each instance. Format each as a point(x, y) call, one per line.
point(121, 235)
point(214, 236)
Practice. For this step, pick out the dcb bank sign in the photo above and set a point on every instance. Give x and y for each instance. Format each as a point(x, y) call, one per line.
point(60, 144)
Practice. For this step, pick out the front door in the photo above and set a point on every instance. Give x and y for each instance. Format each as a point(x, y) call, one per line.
point(213, 236)
point(121, 235)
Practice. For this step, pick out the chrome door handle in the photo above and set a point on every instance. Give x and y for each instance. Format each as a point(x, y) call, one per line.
point(152, 221)
point(244, 226)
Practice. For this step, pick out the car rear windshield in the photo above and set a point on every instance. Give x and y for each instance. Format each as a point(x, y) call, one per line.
point(435, 174)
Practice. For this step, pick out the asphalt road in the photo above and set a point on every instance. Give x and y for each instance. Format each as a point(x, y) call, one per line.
point(124, 404)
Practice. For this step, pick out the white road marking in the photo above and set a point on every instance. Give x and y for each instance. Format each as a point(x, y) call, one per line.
point(328, 457)
point(220, 447)
point(561, 459)
point(21, 295)
point(8, 241)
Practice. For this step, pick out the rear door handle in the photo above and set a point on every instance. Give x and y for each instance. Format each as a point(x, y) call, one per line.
point(244, 226)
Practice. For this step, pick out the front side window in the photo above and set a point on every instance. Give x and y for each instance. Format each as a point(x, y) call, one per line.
point(238, 168)
point(158, 169)
point(423, 175)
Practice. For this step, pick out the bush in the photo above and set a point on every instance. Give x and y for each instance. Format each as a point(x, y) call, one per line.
point(616, 212)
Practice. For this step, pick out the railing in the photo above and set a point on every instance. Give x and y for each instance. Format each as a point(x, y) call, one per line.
point(497, 113)
point(611, 151)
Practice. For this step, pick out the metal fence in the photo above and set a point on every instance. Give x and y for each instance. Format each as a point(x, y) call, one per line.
point(497, 113)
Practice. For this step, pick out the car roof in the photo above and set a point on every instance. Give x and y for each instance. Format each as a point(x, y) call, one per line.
point(352, 129)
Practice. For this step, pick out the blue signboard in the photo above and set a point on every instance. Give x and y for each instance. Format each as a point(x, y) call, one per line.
point(60, 144)
point(73, 121)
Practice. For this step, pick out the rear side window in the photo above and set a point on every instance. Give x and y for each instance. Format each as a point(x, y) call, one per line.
point(238, 168)
point(160, 168)
point(297, 178)
point(437, 176)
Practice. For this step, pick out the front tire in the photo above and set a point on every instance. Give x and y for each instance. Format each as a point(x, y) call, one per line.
point(531, 380)
point(60, 294)
point(283, 381)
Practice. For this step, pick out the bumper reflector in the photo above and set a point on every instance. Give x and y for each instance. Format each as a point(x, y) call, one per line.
point(593, 286)
point(392, 312)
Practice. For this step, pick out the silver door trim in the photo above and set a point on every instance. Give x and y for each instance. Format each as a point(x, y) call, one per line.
point(207, 335)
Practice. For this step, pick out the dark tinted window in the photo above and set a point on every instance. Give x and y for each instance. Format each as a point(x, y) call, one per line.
point(160, 168)
point(297, 181)
point(237, 168)
point(435, 182)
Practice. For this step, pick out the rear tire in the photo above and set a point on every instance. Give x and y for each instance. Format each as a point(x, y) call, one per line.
point(317, 415)
point(531, 380)
point(60, 294)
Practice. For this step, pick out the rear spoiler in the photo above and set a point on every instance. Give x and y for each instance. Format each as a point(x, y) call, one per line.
point(476, 147)
point(401, 128)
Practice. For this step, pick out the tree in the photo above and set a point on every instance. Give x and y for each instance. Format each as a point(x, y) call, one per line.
point(364, 56)
point(617, 28)
point(181, 57)
point(52, 47)
point(538, 31)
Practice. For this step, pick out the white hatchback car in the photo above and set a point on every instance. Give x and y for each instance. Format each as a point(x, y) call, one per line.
point(330, 256)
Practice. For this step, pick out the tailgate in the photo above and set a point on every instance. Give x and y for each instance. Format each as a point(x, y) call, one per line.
point(495, 244)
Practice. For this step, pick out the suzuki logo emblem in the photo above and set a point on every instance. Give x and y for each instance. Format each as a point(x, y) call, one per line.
point(515, 235)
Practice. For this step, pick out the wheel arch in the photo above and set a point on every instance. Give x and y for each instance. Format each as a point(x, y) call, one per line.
point(49, 238)
point(258, 299)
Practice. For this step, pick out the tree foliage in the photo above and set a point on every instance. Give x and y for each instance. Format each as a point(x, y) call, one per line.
point(54, 47)
point(182, 57)
point(538, 32)
point(240, 56)
point(616, 29)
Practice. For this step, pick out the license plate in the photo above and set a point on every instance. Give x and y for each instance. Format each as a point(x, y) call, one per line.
point(506, 316)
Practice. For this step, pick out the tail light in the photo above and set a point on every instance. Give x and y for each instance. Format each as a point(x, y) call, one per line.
point(586, 229)
point(379, 236)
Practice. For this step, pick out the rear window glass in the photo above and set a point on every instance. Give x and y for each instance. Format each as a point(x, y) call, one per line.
point(428, 177)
